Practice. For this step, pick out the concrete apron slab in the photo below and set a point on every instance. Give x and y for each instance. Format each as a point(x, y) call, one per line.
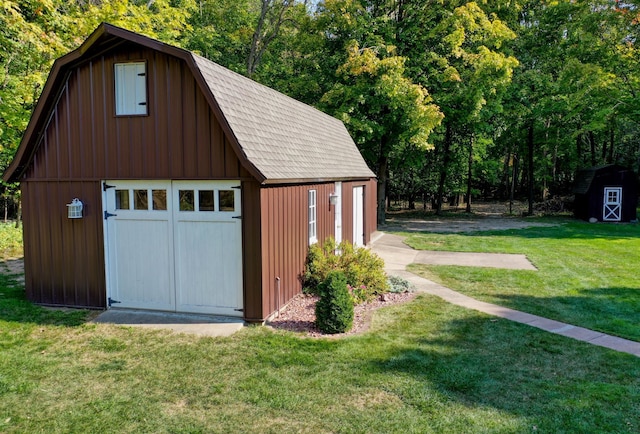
point(201, 325)
point(488, 260)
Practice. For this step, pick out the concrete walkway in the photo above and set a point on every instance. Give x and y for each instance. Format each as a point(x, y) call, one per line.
point(398, 255)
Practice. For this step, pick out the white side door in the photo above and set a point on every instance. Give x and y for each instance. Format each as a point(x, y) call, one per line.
point(208, 247)
point(612, 207)
point(338, 212)
point(358, 216)
point(139, 244)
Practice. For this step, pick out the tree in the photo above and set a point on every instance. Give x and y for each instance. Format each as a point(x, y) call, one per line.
point(466, 71)
point(386, 113)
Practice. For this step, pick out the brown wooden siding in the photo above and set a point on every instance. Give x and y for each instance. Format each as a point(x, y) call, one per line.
point(251, 251)
point(285, 238)
point(179, 139)
point(370, 209)
point(64, 258)
point(85, 143)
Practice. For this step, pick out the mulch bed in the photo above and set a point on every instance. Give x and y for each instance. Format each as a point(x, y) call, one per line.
point(299, 314)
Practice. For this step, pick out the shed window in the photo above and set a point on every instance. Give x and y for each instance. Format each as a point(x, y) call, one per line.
point(226, 198)
point(131, 88)
point(313, 235)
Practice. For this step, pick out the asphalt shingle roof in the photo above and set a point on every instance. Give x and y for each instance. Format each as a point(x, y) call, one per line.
point(282, 137)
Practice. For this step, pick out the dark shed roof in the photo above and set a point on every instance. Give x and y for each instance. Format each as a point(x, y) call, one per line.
point(585, 177)
point(277, 138)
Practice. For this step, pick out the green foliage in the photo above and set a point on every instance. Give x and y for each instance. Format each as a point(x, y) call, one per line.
point(10, 241)
point(363, 269)
point(398, 284)
point(390, 70)
point(334, 309)
point(315, 269)
point(165, 20)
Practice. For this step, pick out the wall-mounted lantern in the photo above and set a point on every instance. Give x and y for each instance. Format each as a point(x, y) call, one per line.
point(333, 199)
point(75, 209)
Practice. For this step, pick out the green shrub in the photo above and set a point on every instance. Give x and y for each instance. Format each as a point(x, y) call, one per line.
point(334, 309)
point(363, 269)
point(399, 284)
point(314, 270)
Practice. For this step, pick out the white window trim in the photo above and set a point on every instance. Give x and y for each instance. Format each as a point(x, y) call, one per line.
point(131, 97)
point(312, 216)
point(612, 209)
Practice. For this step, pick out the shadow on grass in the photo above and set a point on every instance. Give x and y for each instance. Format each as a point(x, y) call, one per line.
point(14, 306)
point(561, 229)
point(613, 310)
point(574, 230)
point(558, 384)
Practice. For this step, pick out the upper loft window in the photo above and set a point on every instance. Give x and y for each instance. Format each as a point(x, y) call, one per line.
point(131, 88)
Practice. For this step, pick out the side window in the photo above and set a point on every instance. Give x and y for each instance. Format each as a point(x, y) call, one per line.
point(313, 236)
point(131, 88)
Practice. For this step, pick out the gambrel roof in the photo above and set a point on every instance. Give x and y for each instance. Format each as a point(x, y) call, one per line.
point(585, 177)
point(278, 139)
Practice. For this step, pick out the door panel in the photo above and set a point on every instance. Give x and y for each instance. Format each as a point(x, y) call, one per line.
point(208, 247)
point(338, 212)
point(140, 246)
point(175, 246)
point(612, 207)
point(358, 216)
point(142, 265)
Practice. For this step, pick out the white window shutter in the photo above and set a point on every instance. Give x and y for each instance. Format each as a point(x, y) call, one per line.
point(131, 88)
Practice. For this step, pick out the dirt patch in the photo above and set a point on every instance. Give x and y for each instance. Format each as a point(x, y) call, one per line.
point(456, 225)
point(299, 314)
point(12, 266)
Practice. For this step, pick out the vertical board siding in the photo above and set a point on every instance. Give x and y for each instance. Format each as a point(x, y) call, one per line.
point(179, 139)
point(285, 238)
point(371, 209)
point(65, 266)
point(251, 251)
point(347, 211)
point(85, 143)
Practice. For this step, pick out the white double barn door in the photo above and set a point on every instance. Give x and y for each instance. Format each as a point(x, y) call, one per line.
point(174, 245)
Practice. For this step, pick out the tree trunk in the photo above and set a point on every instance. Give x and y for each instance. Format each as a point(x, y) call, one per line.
point(530, 156)
point(469, 172)
point(19, 213)
point(504, 190)
point(555, 157)
point(612, 137)
point(514, 177)
point(383, 165)
point(592, 143)
point(263, 35)
point(579, 149)
point(443, 170)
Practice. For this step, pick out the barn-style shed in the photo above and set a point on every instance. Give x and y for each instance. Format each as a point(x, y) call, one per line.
point(606, 193)
point(199, 190)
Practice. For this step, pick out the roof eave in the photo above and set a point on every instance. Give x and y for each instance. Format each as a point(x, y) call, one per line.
point(321, 180)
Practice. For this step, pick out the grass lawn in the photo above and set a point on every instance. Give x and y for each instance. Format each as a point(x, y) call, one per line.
point(426, 366)
point(587, 273)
